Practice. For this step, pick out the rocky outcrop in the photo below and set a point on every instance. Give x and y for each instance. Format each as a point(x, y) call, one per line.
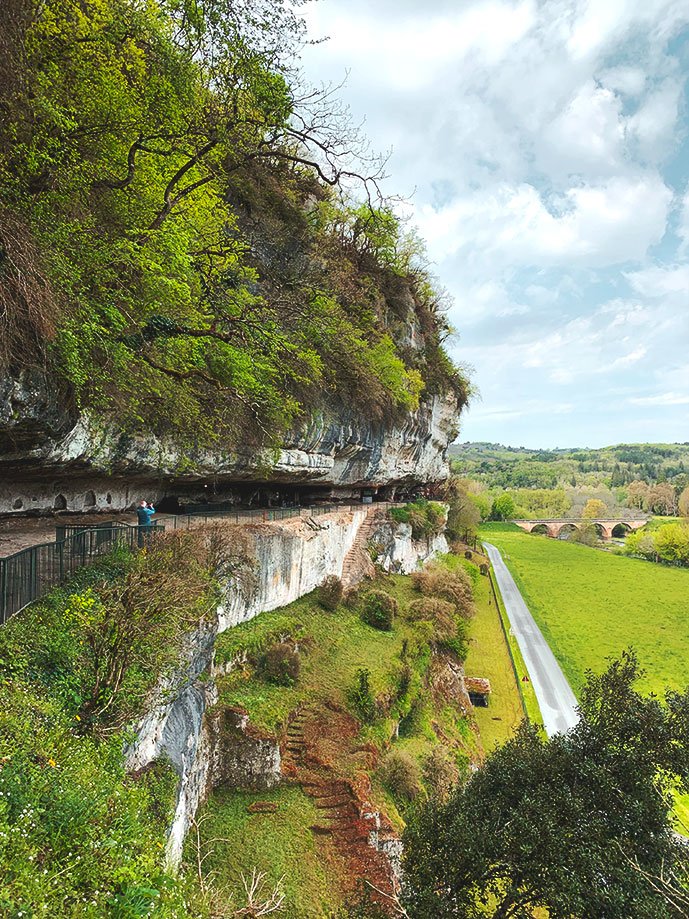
point(52, 457)
point(241, 755)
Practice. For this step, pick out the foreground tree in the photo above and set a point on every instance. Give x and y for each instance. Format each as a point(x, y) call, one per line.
point(578, 824)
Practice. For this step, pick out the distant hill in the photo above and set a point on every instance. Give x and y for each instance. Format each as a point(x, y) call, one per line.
point(520, 467)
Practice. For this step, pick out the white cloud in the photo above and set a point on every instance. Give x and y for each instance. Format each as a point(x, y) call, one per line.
point(683, 226)
point(630, 81)
point(666, 398)
point(653, 125)
point(539, 136)
point(587, 137)
point(662, 282)
point(586, 225)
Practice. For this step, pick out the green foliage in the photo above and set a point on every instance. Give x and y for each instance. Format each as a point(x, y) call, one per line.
point(426, 518)
point(440, 774)
point(77, 836)
point(330, 592)
point(281, 665)
point(503, 508)
point(594, 508)
point(379, 609)
point(618, 466)
point(362, 697)
point(668, 543)
point(526, 831)
point(141, 146)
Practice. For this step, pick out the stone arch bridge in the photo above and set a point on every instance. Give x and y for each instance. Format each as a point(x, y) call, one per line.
point(608, 527)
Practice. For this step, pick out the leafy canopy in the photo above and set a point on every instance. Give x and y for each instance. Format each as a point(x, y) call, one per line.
point(578, 824)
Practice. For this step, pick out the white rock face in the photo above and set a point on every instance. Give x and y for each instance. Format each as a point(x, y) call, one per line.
point(292, 560)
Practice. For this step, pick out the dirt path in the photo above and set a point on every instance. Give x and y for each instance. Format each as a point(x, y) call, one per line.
point(18, 533)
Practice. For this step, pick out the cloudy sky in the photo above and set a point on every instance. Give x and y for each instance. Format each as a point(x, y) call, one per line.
point(544, 146)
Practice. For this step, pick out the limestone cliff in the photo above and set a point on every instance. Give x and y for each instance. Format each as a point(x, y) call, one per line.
point(53, 457)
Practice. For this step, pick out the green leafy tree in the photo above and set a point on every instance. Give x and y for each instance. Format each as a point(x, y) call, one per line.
point(141, 144)
point(578, 824)
point(503, 508)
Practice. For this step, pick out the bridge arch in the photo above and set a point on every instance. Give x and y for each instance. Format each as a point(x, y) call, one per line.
point(566, 530)
point(620, 530)
point(600, 530)
point(541, 529)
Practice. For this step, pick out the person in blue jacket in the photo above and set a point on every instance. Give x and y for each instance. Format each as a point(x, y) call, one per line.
point(144, 512)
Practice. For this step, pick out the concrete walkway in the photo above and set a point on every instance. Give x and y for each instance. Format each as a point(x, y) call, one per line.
point(555, 697)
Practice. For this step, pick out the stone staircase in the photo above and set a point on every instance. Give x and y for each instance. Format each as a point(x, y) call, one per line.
point(357, 563)
point(346, 820)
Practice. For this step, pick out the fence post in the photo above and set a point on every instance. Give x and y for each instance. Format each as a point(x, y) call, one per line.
point(3, 590)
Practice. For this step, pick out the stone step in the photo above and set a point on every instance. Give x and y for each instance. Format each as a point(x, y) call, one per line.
point(334, 801)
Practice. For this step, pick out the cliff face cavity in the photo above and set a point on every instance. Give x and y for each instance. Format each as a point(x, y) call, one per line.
point(292, 559)
point(53, 458)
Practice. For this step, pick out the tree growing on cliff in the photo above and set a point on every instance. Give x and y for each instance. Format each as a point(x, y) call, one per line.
point(140, 146)
point(578, 824)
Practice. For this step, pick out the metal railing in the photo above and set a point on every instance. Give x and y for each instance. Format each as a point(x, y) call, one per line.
point(29, 574)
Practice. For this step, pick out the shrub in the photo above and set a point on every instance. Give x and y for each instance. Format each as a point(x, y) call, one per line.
point(468, 554)
point(440, 773)
point(404, 681)
point(442, 614)
point(351, 597)
point(412, 722)
point(426, 518)
point(379, 610)
point(362, 697)
point(484, 570)
point(330, 592)
point(401, 775)
point(281, 665)
point(453, 586)
point(458, 644)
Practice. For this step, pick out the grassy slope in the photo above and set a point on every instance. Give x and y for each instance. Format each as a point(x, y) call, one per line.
point(592, 604)
point(336, 645)
point(489, 657)
point(280, 845)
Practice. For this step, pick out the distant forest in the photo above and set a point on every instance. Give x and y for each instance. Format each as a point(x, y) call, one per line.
point(498, 466)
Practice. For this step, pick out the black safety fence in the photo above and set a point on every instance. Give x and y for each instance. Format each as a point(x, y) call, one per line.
point(29, 574)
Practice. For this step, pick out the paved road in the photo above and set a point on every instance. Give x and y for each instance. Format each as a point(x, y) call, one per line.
point(555, 697)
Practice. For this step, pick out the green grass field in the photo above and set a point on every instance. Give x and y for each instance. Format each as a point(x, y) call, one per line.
point(592, 605)
point(489, 657)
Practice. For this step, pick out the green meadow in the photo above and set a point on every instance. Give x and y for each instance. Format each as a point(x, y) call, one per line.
point(591, 605)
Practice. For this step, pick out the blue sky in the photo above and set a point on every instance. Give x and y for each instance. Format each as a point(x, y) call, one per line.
point(544, 149)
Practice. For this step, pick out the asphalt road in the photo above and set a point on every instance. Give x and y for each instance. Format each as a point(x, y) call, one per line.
point(555, 697)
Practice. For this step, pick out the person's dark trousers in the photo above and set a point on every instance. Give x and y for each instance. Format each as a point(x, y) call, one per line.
point(143, 535)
